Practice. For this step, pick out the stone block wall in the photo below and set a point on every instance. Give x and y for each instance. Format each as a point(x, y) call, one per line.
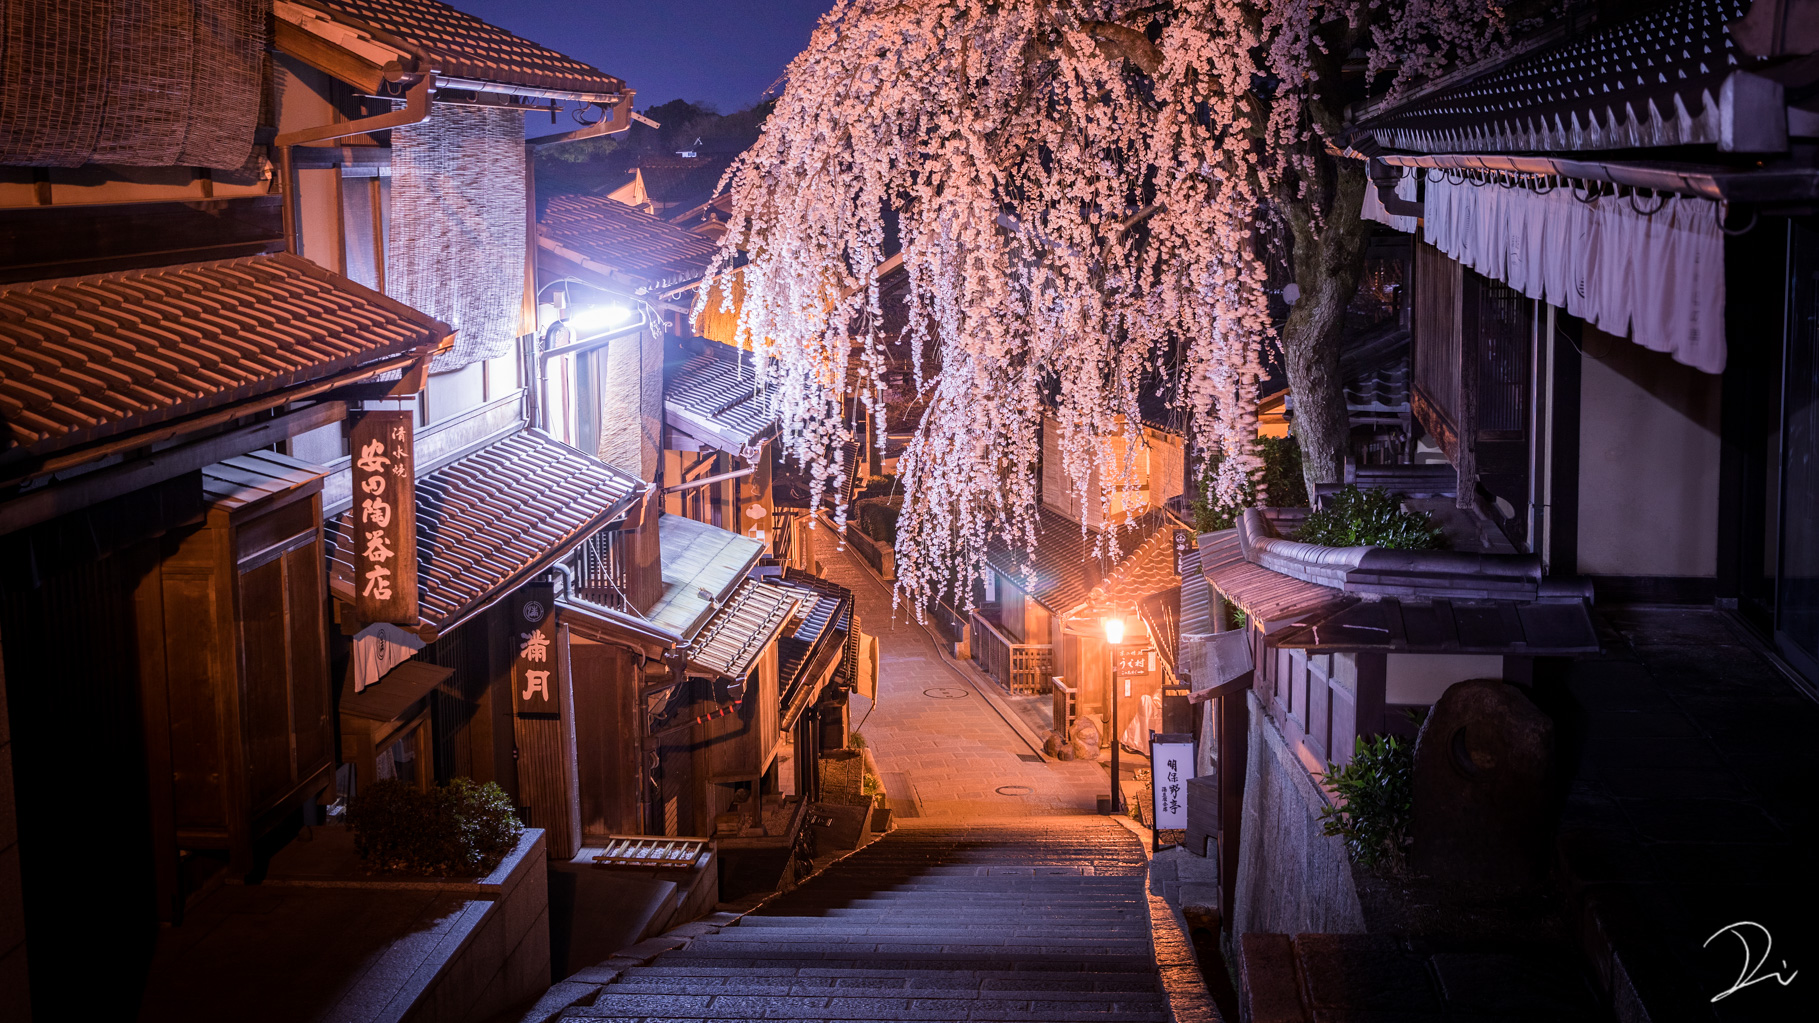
point(1291, 878)
point(15, 989)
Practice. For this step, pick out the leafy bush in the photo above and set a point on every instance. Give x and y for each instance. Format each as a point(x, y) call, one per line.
point(1374, 518)
point(1378, 791)
point(878, 520)
point(457, 829)
point(1284, 486)
point(878, 486)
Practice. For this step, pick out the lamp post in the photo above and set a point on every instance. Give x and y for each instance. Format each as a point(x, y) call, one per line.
point(1114, 635)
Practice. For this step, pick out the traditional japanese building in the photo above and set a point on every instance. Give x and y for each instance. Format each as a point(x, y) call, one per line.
point(229, 321)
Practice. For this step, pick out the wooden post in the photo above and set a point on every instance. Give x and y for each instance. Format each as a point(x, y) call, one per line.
point(1467, 299)
point(544, 720)
point(15, 990)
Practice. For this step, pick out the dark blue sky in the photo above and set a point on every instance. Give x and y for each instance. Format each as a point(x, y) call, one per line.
point(722, 52)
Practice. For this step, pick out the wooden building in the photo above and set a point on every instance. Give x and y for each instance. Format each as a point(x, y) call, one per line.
point(199, 298)
point(1613, 353)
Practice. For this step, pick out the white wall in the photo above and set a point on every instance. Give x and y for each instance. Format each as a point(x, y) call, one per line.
point(1420, 679)
point(1648, 463)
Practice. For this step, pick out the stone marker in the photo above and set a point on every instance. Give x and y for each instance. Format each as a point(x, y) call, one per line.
point(1480, 801)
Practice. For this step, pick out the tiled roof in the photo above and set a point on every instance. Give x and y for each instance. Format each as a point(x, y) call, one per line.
point(83, 358)
point(1149, 569)
point(488, 522)
point(1161, 612)
point(714, 393)
point(1374, 368)
point(1446, 626)
point(1649, 81)
point(731, 641)
point(1261, 594)
point(460, 45)
point(1064, 564)
point(702, 565)
point(686, 181)
point(827, 615)
point(622, 240)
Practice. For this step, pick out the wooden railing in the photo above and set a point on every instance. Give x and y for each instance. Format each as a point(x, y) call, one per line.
point(1022, 668)
point(599, 567)
point(876, 553)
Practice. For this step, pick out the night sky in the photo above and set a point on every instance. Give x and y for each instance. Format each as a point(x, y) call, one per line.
point(721, 52)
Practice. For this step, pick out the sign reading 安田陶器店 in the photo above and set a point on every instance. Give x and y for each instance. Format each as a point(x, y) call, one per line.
point(1172, 765)
point(536, 671)
point(385, 518)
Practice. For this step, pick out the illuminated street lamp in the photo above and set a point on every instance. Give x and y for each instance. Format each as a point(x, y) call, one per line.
point(1114, 635)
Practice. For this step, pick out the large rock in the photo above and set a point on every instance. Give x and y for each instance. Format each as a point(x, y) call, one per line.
point(1480, 799)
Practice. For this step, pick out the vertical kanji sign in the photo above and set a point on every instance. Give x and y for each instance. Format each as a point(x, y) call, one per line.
point(385, 518)
point(536, 670)
point(1172, 760)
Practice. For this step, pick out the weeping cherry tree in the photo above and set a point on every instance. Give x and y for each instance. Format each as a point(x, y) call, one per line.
point(1075, 186)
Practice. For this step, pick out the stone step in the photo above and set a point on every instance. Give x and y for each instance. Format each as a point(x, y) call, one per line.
point(942, 1010)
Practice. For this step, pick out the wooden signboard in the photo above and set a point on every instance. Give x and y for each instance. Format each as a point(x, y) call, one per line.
point(536, 671)
point(1184, 544)
point(1172, 757)
point(1130, 659)
point(385, 518)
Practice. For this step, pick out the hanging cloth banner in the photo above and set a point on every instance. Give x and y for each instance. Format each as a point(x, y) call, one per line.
point(1651, 270)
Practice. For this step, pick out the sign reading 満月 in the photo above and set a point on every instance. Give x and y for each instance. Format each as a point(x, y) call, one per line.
point(384, 518)
point(1172, 765)
point(536, 672)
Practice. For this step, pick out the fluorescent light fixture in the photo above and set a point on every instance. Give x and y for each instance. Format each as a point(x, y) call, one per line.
point(598, 317)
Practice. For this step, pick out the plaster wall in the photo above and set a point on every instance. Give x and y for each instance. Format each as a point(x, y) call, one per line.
point(1291, 878)
point(1648, 463)
point(1420, 679)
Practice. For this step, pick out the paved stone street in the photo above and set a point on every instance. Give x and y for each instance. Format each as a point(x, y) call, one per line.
point(934, 735)
point(1027, 918)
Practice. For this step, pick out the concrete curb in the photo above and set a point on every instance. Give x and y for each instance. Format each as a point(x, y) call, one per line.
point(975, 680)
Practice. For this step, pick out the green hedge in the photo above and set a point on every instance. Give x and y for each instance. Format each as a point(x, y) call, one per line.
point(459, 829)
point(1284, 486)
point(878, 520)
point(1369, 518)
point(1378, 791)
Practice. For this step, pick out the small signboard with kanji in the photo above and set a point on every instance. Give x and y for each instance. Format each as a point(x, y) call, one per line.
point(384, 518)
point(536, 671)
point(1131, 659)
point(1172, 764)
point(1184, 545)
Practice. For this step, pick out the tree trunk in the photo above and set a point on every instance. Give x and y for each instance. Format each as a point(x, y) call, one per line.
point(1328, 261)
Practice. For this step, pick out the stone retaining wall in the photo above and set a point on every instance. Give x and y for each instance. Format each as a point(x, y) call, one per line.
point(1291, 878)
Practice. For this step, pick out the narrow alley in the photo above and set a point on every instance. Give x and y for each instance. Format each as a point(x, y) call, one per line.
point(943, 750)
point(1000, 895)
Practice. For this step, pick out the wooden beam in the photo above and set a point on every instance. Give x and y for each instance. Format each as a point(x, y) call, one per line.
point(326, 57)
point(92, 488)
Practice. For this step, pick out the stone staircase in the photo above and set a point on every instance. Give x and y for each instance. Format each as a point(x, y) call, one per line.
point(1028, 919)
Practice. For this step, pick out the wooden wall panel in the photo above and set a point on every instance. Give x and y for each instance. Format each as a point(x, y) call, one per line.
point(606, 738)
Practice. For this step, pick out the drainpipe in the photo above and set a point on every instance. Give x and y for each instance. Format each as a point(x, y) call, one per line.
point(415, 111)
